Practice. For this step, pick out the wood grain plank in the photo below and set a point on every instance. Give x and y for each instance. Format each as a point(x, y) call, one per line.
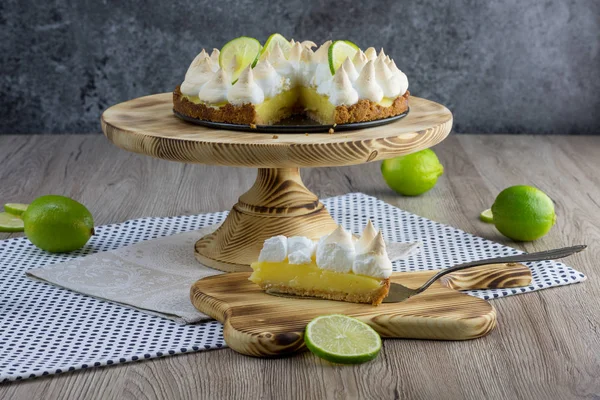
point(260, 325)
point(546, 345)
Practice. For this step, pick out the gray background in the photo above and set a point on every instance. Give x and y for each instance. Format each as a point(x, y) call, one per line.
point(500, 66)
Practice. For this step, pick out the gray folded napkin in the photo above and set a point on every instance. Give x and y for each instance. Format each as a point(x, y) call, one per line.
point(153, 276)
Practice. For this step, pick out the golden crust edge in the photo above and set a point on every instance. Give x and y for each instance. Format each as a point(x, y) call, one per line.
point(375, 297)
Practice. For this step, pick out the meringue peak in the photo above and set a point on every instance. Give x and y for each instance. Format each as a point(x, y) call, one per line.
point(367, 236)
point(267, 78)
point(371, 53)
point(382, 70)
point(366, 83)
point(246, 77)
point(309, 43)
point(341, 91)
point(350, 69)
point(202, 63)
point(307, 55)
point(339, 235)
point(276, 54)
point(377, 246)
point(246, 90)
point(263, 68)
point(215, 90)
point(296, 52)
point(359, 60)
point(321, 55)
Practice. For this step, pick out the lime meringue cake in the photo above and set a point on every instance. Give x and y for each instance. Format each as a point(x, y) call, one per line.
point(337, 267)
point(245, 83)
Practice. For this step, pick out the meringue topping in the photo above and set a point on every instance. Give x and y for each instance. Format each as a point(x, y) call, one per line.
point(322, 53)
point(367, 236)
point(309, 43)
point(267, 78)
point(359, 60)
point(280, 62)
point(214, 57)
point(274, 249)
point(300, 250)
point(336, 252)
point(367, 75)
point(366, 84)
point(386, 79)
point(371, 53)
point(215, 90)
point(350, 69)
point(199, 72)
point(295, 52)
point(373, 261)
point(341, 91)
point(245, 90)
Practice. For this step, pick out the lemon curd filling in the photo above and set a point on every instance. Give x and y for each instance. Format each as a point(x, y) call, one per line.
point(311, 277)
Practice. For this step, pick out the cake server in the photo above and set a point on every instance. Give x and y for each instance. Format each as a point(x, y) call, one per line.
point(400, 292)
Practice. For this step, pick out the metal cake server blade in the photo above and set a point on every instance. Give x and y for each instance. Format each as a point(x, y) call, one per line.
point(399, 293)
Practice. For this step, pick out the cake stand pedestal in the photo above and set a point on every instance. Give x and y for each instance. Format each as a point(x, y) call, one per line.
point(278, 203)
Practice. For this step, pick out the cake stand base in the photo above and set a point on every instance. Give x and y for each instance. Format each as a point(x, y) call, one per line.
point(277, 204)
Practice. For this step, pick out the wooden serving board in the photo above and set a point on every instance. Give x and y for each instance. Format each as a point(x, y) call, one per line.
point(258, 324)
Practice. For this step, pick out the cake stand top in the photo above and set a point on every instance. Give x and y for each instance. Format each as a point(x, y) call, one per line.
point(148, 126)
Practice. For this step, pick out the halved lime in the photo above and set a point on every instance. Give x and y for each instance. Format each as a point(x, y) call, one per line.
point(339, 51)
point(15, 208)
point(487, 216)
point(276, 38)
point(237, 54)
point(10, 223)
point(342, 339)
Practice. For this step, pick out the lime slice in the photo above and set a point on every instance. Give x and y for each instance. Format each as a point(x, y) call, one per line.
point(276, 38)
point(341, 339)
point(487, 216)
point(339, 51)
point(237, 54)
point(15, 208)
point(10, 223)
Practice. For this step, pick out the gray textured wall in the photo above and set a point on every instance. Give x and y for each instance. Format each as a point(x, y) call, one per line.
point(500, 66)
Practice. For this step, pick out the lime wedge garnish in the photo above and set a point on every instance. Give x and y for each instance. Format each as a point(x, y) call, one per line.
point(237, 54)
point(15, 208)
point(339, 51)
point(10, 223)
point(276, 38)
point(341, 339)
point(487, 216)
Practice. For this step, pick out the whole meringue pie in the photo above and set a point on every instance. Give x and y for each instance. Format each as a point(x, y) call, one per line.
point(290, 78)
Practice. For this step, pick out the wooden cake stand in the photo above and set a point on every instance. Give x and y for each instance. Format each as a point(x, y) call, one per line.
point(278, 203)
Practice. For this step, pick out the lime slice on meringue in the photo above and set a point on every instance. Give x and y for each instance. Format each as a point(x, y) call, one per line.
point(285, 45)
point(237, 54)
point(339, 51)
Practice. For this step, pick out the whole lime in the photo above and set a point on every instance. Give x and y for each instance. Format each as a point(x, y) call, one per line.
point(58, 224)
point(523, 213)
point(413, 174)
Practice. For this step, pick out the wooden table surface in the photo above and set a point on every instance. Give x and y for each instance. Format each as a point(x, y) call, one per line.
point(546, 345)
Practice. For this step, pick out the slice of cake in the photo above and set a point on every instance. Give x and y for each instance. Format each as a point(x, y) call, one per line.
point(338, 267)
point(336, 84)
